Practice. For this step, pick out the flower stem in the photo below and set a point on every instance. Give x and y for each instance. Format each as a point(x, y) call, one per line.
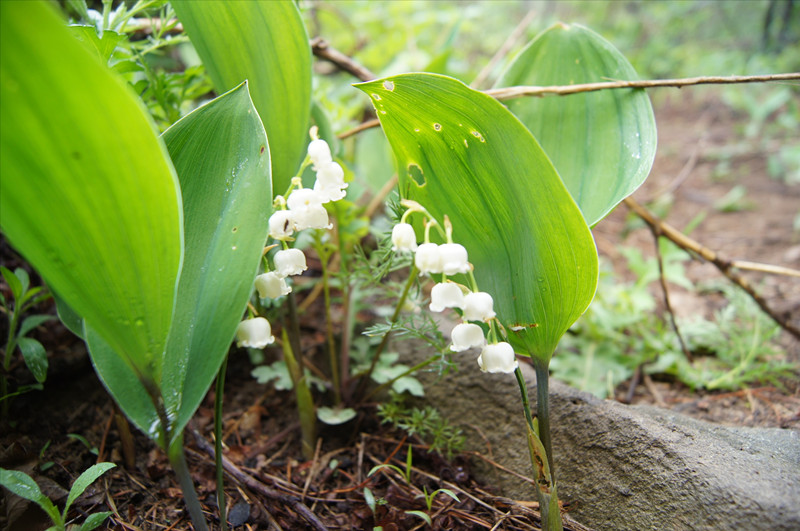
point(385, 340)
point(334, 359)
point(177, 459)
point(220, 389)
point(543, 410)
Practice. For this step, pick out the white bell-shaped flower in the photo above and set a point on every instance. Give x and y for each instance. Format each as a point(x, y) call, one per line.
point(331, 174)
point(454, 258)
point(319, 152)
point(478, 306)
point(289, 262)
point(303, 198)
point(329, 192)
point(498, 357)
point(428, 259)
point(403, 238)
point(446, 295)
point(313, 217)
point(465, 336)
point(271, 286)
point(281, 224)
point(254, 333)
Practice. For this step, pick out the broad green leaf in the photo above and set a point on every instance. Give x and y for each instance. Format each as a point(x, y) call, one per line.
point(462, 154)
point(69, 317)
point(84, 480)
point(602, 143)
point(35, 357)
point(222, 158)
point(23, 486)
point(88, 194)
point(265, 43)
point(124, 384)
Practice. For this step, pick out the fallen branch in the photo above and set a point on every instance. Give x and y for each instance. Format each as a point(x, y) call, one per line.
point(254, 484)
point(726, 267)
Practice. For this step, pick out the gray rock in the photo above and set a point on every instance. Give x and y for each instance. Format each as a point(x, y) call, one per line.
point(626, 467)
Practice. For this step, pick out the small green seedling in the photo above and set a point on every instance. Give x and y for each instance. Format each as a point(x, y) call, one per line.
point(430, 497)
point(406, 474)
point(32, 351)
point(23, 486)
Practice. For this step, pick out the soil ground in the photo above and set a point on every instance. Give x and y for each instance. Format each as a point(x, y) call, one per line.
point(261, 431)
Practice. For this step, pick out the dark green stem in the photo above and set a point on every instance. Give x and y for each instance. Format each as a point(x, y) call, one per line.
point(220, 390)
point(523, 390)
point(543, 411)
point(11, 344)
point(385, 340)
point(177, 459)
point(334, 359)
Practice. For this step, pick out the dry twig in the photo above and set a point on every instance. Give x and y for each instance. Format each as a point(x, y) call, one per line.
point(726, 267)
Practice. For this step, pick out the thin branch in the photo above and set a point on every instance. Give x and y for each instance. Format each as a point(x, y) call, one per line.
point(656, 231)
point(323, 50)
point(256, 485)
point(725, 266)
point(508, 93)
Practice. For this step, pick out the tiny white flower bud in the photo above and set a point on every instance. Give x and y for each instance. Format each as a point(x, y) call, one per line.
point(478, 307)
point(466, 336)
point(319, 152)
point(271, 286)
point(403, 238)
point(428, 259)
point(446, 295)
point(281, 224)
point(454, 258)
point(290, 262)
point(254, 333)
point(498, 357)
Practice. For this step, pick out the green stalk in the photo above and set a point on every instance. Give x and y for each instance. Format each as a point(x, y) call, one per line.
point(177, 459)
point(220, 390)
point(305, 404)
point(385, 340)
point(540, 447)
point(334, 359)
point(11, 344)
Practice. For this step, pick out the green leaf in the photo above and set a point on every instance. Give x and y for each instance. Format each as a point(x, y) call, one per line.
point(602, 143)
point(35, 357)
point(220, 153)
point(24, 282)
point(88, 194)
point(124, 384)
point(422, 515)
point(93, 521)
point(477, 164)
point(266, 44)
point(335, 416)
point(104, 46)
point(69, 317)
point(32, 322)
point(13, 282)
point(84, 480)
point(23, 486)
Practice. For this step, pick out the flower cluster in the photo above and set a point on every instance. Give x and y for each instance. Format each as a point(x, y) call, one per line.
point(451, 259)
point(300, 209)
